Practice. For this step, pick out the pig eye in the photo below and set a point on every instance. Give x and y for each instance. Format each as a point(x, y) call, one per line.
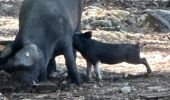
point(27, 54)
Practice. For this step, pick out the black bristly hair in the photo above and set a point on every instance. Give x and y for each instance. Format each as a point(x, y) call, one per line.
point(87, 34)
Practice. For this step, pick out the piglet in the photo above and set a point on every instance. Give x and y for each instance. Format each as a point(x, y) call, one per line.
point(96, 52)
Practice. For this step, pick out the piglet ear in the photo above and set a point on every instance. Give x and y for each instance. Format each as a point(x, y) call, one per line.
point(26, 57)
point(87, 34)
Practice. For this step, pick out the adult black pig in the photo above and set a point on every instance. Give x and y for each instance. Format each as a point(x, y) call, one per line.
point(46, 28)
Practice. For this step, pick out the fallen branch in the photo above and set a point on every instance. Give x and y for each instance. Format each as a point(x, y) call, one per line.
point(155, 95)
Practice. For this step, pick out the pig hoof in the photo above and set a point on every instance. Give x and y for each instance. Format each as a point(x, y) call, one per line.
point(148, 74)
point(90, 81)
point(99, 79)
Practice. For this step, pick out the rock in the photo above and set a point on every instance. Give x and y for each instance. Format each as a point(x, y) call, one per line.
point(120, 14)
point(162, 17)
point(102, 23)
point(94, 10)
point(126, 89)
point(2, 97)
point(87, 27)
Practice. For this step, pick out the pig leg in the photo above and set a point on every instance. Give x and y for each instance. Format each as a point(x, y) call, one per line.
point(144, 61)
point(70, 63)
point(5, 54)
point(88, 70)
point(43, 76)
point(97, 70)
point(51, 69)
point(27, 79)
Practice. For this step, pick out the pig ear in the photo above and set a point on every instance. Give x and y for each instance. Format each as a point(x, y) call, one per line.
point(88, 34)
point(27, 56)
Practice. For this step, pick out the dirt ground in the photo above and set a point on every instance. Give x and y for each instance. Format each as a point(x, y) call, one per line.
point(120, 81)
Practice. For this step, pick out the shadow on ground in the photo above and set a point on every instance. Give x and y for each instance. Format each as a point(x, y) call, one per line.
point(109, 88)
